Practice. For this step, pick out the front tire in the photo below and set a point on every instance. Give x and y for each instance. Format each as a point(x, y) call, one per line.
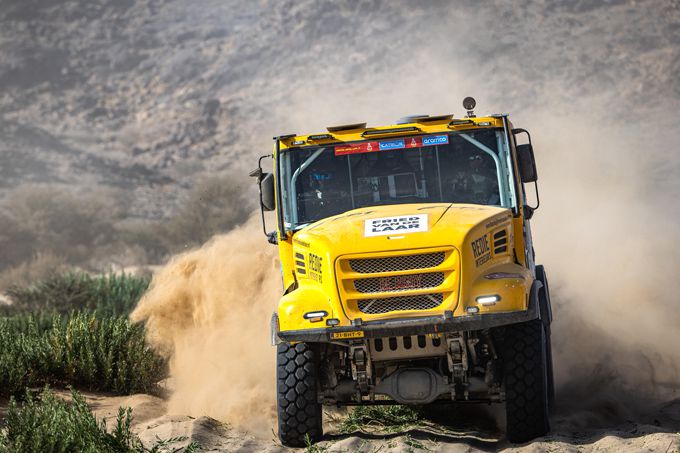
point(525, 363)
point(299, 411)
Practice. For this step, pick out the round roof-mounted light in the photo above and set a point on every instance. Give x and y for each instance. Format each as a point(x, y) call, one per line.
point(469, 103)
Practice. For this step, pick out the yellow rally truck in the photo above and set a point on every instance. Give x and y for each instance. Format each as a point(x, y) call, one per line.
point(408, 271)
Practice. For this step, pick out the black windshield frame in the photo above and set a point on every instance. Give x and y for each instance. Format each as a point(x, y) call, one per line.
point(481, 142)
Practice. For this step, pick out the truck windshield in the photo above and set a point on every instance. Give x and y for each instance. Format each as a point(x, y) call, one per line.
point(460, 167)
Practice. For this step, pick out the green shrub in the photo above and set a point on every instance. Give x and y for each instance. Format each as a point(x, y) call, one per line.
point(109, 295)
point(385, 418)
point(82, 350)
point(47, 424)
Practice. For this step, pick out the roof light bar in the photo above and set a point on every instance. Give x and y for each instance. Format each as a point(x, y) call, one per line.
point(395, 130)
point(454, 123)
point(320, 137)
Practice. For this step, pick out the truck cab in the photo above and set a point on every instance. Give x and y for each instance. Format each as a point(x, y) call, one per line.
point(408, 271)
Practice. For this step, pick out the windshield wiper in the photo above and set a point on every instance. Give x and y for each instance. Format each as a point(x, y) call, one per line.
point(303, 225)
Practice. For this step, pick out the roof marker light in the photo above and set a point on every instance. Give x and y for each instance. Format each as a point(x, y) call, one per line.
point(454, 123)
point(320, 137)
point(394, 130)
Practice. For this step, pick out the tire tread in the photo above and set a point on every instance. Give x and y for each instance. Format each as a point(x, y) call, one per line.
point(299, 412)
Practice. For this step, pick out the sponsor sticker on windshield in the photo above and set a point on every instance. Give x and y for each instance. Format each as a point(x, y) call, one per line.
point(435, 140)
point(356, 148)
point(389, 145)
point(414, 142)
point(385, 226)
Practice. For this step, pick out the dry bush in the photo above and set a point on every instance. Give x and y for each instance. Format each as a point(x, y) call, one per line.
point(143, 241)
point(216, 205)
point(91, 230)
point(42, 266)
point(44, 219)
point(16, 242)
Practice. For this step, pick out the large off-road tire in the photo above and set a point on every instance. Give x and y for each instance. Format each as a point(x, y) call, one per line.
point(299, 411)
point(525, 370)
point(544, 299)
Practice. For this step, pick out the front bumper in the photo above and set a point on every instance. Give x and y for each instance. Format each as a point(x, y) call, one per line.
point(411, 326)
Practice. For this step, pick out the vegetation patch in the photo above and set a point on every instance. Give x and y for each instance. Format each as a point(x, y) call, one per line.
point(83, 350)
point(108, 295)
point(46, 423)
point(389, 419)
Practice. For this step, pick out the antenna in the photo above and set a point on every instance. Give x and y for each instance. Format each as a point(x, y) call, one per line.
point(469, 104)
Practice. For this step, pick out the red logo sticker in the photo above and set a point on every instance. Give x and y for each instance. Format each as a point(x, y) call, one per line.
point(414, 142)
point(357, 148)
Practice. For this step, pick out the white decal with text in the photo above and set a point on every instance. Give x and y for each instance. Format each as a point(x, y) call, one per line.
point(396, 225)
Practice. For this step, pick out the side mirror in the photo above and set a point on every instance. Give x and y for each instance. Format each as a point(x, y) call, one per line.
point(526, 163)
point(267, 192)
point(265, 184)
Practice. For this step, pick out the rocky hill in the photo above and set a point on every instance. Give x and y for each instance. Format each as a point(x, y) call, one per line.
point(150, 96)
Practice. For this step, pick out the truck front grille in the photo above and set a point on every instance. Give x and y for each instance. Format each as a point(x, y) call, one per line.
point(418, 280)
point(420, 302)
point(396, 263)
point(399, 283)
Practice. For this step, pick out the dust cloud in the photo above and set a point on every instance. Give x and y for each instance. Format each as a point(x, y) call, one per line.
point(606, 230)
point(208, 310)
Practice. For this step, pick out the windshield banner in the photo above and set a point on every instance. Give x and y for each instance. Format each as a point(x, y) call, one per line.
point(389, 145)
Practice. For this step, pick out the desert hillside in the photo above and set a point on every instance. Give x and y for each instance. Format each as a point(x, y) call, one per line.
point(148, 96)
point(127, 129)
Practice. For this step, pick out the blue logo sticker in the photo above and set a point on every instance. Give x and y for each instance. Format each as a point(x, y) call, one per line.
point(392, 144)
point(435, 140)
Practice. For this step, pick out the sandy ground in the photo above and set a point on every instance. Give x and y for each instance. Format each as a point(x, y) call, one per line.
point(658, 431)
point(466, 430)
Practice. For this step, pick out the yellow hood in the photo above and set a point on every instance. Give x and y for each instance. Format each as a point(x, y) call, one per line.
point(400, 227)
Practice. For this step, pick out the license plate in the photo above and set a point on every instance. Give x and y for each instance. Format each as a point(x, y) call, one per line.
point(345, 335)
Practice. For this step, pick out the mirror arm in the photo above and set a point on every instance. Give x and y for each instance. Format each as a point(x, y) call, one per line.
point(529, 210)
point(518, 130)
point(538, 199)
point(283, 235)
